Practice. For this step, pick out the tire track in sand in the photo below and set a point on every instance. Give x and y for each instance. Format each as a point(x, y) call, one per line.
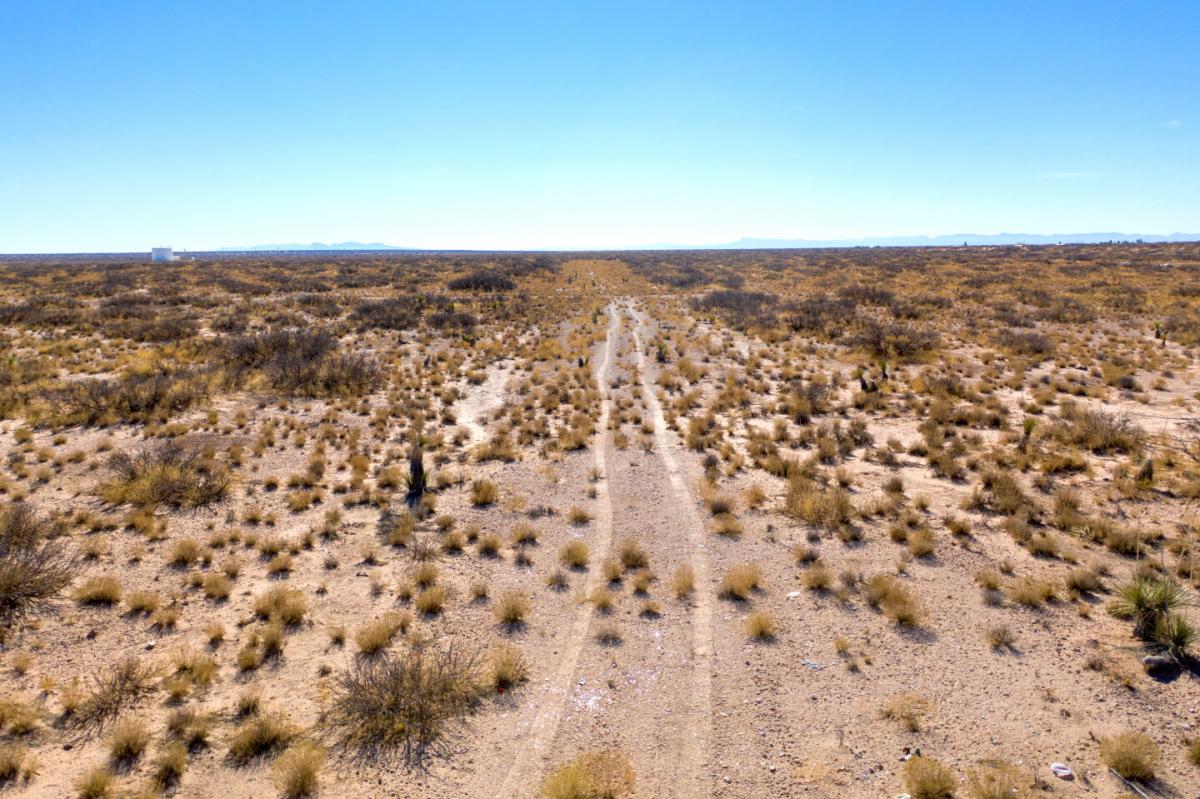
point(691, 778)
point(528, 766)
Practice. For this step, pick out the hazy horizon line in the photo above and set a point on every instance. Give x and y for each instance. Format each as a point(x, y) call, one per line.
point(745, 242)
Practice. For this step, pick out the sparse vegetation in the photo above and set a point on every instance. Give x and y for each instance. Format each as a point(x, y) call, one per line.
point(341, 503)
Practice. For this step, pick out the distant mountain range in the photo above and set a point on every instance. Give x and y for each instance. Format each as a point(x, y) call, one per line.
point(317, 246)
point(748, 243)
point(955, 240)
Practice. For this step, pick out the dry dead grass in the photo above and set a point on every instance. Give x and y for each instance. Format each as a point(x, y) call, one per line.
point(403, 703)
point(592, 775)
point(1133, 755)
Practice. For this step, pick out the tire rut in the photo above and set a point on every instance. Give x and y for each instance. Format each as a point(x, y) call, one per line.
point(528, 765)
point(692, 779)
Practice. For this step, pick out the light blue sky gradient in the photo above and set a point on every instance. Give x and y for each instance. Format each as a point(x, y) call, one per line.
point(571, 124)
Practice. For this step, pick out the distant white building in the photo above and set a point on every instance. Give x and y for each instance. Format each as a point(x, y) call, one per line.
point(162, 254)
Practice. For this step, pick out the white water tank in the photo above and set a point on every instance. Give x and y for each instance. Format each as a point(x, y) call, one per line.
point(162, 254)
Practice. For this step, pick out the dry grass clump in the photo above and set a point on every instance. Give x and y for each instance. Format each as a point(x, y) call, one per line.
point(16, 764)
point(95, 783)
point(760, 626)
point(484, 493)
point(282, 604)
point(375, 636)
point(1097, 430)
point(817, 577)
point(920, 543)
point(1001, 636)
point(719, 504)
point(512, 608)
point(403, 702)
point(166, 474)
point(891, 595)
point(631, 554)
point(641, 582)
point(683, 582)
point(524, 535)
point(591, 775)
point(957, 526)
point(506, 668)
point(396, 529)
point(995, 779)
point(500, 448)
point(183, 552)
point(297, 770)
point(741, 581)
point(908, 709)
point(557, 580)
point(1133, 755)
point(574, 555)
point(190, 726)
point(99, 590)
point(169, 764)
point(259, 735)
point(33, 567)
point(829, 509)
point(609, 634)
point(19, 717)
point(128, 740)
point(926, 778)
point(1082, 580)
point(726, 524)
point(1030, 591)
point(602, 599)
point(612, 570)
point(430, 601)
point(217, 586)
point(488, 545)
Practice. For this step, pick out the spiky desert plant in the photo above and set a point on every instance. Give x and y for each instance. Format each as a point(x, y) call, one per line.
point(1146, 600)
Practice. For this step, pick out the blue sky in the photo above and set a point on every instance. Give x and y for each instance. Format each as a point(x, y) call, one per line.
point(571, 124)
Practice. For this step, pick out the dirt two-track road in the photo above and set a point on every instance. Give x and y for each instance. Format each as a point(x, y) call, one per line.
point(648, 695)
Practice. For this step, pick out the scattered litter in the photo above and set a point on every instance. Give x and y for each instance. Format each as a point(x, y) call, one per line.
point(1062, 771)
point(811, 664)
point(793, 594)
point(1131, 786)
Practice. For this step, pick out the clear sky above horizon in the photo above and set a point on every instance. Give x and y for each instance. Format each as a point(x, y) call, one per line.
point(569, 124)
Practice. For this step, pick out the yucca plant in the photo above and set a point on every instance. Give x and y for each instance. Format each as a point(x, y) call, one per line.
point(1175, 634)
point(1027, 427)
point(1146, 600)
point(417, 479)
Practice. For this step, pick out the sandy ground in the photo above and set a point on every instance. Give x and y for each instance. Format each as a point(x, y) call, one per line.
point(700, 708)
